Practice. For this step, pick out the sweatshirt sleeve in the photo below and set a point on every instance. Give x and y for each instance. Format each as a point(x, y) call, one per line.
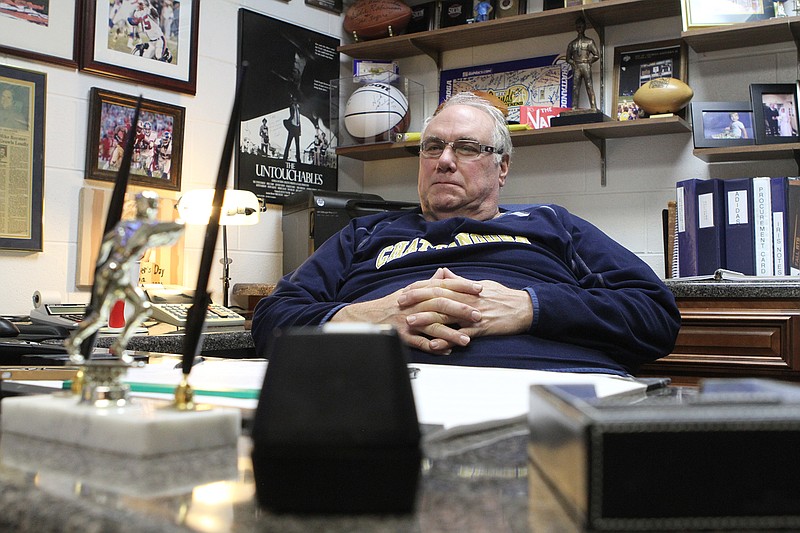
point(307, 296)
point(618, 306)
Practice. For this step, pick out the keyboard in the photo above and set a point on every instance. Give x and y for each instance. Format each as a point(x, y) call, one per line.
point(177, 314)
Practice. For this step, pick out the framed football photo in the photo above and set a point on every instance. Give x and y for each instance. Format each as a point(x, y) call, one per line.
point(158, 146)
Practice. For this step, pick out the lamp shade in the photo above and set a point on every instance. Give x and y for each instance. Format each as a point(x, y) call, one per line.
point(239, 208)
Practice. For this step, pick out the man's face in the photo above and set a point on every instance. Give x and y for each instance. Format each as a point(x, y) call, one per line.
point(6, 99)
point(449, 186)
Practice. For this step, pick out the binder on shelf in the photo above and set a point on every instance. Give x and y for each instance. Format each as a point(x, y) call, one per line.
point(762, 221)
point(793, 223)
point(739, 229)
point(686, 210)
point(710, 227)
point(778, 192)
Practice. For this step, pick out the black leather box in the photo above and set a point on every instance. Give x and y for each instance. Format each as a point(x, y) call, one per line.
point(721, 458)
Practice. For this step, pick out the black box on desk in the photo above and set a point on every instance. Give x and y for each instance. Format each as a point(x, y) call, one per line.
point(723, 458)
point(311, 217)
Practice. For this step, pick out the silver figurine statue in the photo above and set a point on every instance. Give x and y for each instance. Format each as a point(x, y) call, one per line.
point(121, 248)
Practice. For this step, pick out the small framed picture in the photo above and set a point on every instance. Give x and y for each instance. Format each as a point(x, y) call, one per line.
point(636, 65)
point(157, 149)
point(775, 112)
point(718, 124)
point(705, 13)
point(42, 31)
point(136, 42)
point(22, 117)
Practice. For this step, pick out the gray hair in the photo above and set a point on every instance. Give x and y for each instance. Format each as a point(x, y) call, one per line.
point(501, 138)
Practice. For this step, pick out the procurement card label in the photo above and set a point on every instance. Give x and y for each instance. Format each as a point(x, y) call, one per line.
point(539, 81)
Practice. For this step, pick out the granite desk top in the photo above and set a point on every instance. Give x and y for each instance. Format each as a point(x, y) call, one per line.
point(789, 288)
point(470, 482)
point(235, 341)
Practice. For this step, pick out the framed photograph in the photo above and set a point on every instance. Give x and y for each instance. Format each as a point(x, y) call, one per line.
point(334, 6)
point(636, 65)
point(538, 81)
point(286, 139)
point(158, 146)
point(718, 124)
point(22, 114)
point(775, 112)
point(42, 31)
point(709, 13)
point(131, 40)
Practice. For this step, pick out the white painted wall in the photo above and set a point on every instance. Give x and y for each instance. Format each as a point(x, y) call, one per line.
point(641, 171)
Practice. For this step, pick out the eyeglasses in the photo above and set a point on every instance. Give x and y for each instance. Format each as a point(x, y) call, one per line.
point(464, 149)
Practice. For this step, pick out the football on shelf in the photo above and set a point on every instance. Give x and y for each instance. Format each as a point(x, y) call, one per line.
point(663, 95)
point(374, 19)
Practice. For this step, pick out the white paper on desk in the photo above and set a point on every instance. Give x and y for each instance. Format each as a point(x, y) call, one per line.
point(444, 395)
point(457, 395)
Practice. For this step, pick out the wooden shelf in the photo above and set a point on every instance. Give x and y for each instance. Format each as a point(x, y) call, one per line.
point(432, 43)
point(757, 152)
point(562, 134)
point(773, 31)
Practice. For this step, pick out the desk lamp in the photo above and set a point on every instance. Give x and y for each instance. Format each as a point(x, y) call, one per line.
point(239, 208)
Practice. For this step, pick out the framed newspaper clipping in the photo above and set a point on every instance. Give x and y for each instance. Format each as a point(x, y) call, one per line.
point(22, 115)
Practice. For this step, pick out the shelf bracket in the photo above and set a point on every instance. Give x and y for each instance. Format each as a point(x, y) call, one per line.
point(600, 143)
point(434, 54)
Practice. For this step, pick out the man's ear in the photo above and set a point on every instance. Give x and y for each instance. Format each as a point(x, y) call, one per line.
point(505, 162)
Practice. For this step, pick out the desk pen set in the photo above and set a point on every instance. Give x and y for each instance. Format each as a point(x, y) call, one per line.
point(97, 413)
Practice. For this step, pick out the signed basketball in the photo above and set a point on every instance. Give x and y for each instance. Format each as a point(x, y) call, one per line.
point(375, 109)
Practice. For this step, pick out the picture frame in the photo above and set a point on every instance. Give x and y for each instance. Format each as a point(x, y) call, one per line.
point(775, 111)
point(334, 6)
point(542, 81)
point(635, 65)
point(22, 126)
point(720, 124)
point(108, 49)
point(286, 139)
point(158, 150)
point(698, 14)
point(49, 32)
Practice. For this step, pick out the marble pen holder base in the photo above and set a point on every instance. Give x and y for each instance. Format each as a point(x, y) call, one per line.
point(142, 428)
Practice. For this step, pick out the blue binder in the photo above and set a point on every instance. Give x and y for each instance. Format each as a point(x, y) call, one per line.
point(780, 263)
point(710, 227)
point(739, 236)
point(686, 211)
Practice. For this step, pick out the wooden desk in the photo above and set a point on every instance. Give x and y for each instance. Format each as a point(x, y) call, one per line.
point(734, 329)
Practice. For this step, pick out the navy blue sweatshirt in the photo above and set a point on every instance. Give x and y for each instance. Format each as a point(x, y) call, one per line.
point(597, 307)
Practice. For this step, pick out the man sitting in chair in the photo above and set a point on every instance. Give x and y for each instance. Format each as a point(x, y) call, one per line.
point(465, 282)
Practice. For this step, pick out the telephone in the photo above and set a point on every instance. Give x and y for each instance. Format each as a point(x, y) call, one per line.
point(171, 305)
